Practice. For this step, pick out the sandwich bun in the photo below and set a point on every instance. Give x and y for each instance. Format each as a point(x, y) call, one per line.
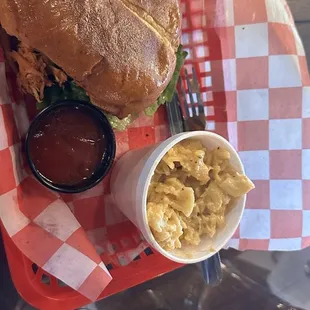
point(122, 52)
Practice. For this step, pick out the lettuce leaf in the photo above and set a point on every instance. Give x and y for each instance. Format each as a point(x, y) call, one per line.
point(55, 93)
point(168, 93)
point(119, 124)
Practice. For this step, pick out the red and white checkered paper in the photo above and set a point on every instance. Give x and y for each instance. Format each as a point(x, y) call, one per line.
point(256, 89)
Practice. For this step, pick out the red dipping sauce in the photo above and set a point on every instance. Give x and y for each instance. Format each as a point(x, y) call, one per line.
point(67, 145)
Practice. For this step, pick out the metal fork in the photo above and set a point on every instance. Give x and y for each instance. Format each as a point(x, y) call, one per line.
point(211, 268)
point(196, 121)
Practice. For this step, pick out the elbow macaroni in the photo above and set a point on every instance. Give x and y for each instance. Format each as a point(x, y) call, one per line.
point(190, 193)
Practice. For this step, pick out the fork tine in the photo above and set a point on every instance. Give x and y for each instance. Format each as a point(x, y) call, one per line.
point(199, 100)
point(183, 100)
point(175, 116)
point(190, 91)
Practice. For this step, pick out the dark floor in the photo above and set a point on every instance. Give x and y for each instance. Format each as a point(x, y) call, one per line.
point(301, 13)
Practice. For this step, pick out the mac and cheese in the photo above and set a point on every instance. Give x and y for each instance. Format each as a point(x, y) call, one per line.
point(191, 191)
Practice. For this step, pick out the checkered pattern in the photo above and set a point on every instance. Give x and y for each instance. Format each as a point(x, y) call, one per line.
point(256, 89)
point(38, 220)
point(254, 75)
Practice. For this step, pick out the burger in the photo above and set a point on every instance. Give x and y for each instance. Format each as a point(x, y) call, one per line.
point(123, 56)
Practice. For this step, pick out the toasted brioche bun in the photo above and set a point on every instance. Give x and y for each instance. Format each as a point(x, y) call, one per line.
point(122, 52)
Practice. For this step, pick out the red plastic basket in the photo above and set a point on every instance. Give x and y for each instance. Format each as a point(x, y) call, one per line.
point(44, 291)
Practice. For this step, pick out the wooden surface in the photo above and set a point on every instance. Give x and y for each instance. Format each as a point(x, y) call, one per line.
point(301, 13)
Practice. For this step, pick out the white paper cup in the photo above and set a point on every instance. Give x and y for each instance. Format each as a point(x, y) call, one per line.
point(131, 178)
